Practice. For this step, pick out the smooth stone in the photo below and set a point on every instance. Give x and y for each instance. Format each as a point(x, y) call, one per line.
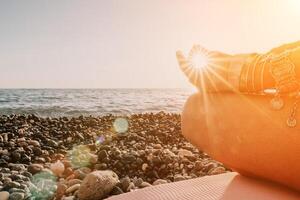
point(12, 190)
point(85, 170)
point(73, 182)
point(144, 166)
point(198, 165)
point(4, 195)
point(79, 174)
point(73, 188)
point(97, 185)
point(27, 174)
point(184, 153)
point(61, 189)
point(159, 182)
point(68, 171)
point(57, 168)
point(137, 182)
point(101, 166)
point(217, 170)
point(13, 184)
point(68, 198)
point(5, 170)
point(116, 191)
point(35, 168)
point(130, 187)
point(102, 154)
point(16, 196)
point(178, 177)
point(124, 182)
point(17, 167)
point(145, 184)
point(6, 180)
point(33, 142)
point(210, 166)
point(93, 158)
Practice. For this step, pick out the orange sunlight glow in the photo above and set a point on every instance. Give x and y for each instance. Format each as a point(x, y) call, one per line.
point(198, 57)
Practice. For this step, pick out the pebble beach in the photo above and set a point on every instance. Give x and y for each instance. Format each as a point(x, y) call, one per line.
point(86, 157)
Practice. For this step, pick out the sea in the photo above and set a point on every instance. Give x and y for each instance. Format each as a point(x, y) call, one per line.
point(96, 102)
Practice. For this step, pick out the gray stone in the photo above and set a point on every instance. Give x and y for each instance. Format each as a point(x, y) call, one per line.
point(97, 184)
point(35, 168)
point(159, 182)
point(145, 184)
point(124, 182)
point(73, 188)
point(116, 191)
point(16, 196)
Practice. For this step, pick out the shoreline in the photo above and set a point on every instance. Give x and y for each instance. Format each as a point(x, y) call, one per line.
point(140, 149)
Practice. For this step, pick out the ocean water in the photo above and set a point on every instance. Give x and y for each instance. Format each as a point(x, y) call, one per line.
point(97, 102)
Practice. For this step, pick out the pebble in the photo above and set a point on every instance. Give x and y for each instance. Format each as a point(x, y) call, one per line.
point(35, 168)
point(159, 182)
point(68, 198)
point(16, 196)
point(144, 184)
point(178, 177)
point(73, 182)
point(73, 188)
point(97, 184)
point(217, 170)
point(130, 187)
point(4, 195)
point(125, 183)
point(61, 189)
point(101, 166)
point(57, 168)
point(184, 153)
point(79, 174)
point(116, 191)
point(144, 166)
point(153, 151)
point(137, 182)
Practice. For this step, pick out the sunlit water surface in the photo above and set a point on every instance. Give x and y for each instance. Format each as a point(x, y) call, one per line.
point(75, 102)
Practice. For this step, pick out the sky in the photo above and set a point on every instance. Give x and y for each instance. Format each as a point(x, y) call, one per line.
point(130, 43)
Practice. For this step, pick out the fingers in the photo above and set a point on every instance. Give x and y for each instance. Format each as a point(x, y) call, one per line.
point(186, 67)
point(184, 64)
point(198, 49)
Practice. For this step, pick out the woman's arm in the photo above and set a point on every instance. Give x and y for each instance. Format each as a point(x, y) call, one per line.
point(254, 68)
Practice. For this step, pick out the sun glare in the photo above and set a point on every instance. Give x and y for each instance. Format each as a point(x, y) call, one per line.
point(199, 60)
point(198, 57)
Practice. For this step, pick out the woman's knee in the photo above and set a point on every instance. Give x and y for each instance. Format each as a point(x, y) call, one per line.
point(192, 117)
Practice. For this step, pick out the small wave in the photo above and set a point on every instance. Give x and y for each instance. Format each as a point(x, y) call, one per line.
point(90, 102)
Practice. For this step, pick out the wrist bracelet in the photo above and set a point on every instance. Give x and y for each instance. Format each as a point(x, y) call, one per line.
point(282, 70)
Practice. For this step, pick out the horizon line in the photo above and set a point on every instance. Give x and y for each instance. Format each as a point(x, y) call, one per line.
point(90, 88)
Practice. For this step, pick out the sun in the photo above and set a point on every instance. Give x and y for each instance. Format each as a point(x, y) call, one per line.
point(199, 60)
point(198, 57)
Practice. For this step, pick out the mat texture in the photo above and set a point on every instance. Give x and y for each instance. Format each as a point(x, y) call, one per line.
point(229, 186)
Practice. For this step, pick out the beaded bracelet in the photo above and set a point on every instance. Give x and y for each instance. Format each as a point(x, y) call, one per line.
point(282, 70)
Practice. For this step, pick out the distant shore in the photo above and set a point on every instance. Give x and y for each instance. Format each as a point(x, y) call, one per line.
point(141, 149)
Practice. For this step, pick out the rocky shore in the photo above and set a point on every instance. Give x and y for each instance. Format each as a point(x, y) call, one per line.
point(94, 157)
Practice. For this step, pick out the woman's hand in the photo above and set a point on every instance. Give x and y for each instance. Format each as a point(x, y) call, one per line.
point(210, 72)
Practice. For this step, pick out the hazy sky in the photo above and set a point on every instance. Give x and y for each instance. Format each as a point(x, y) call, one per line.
point(129, 43)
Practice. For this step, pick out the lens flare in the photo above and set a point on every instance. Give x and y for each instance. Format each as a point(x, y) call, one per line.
point(80, 156)
point(198, 57)
point(43, 186)
point(100, 140)
point(121, 125)
point(199, 61)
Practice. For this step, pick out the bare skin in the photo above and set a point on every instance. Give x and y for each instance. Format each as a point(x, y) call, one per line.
point(245, 134)
point(240, 130)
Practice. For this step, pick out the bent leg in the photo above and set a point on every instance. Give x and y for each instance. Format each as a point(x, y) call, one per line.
point(245, 134)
